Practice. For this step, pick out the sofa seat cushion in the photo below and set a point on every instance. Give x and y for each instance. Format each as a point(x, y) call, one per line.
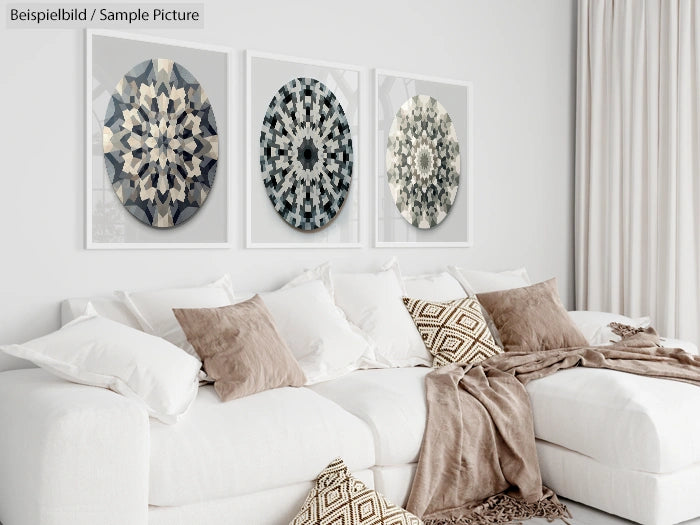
point(391, 402)
point(266, 507)
point(263, 441)
point(621, 420)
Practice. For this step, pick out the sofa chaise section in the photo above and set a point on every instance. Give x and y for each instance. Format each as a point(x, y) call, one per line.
point(626, 444)
point(643, 497)
point(621, 420)
point(70, 454)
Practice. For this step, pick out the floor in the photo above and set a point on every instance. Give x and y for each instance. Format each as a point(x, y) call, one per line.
point(589, 516)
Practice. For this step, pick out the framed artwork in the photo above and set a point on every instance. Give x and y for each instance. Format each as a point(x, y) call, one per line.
point(424, 156)
point(303, 162)
point(157, 154)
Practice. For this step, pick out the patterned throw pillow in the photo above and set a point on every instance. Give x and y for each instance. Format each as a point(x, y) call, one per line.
point(338, 498)
point(453, 331)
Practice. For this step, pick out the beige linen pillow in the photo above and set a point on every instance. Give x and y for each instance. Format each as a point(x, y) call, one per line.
point(453, 331)
point(532, 318)
point(240, 348)
point(337, 498)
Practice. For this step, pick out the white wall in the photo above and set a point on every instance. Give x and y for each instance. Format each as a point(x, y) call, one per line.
point(520, 55)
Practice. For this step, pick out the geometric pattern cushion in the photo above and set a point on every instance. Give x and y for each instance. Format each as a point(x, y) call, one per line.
point(453, 331)
point(339, 499)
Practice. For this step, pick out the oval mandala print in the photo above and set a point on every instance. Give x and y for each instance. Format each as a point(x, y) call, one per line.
point(306, 154)
point(422, 161)
point(160, 143)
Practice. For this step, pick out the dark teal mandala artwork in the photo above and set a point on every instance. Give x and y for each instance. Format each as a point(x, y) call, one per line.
point(306, 154)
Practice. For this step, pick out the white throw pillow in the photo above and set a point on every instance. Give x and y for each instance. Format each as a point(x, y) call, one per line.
point(594, 325)
point(108, 307)
point(322, 272)
point(154, 309)
point(95, 351)
point(373, 302)
point(475, 282)
point(316, 331)
point(433, 287)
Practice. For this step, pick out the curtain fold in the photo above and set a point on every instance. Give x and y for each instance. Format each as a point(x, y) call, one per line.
point(637, 237)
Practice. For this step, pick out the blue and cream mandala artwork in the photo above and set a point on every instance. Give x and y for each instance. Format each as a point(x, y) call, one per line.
point(423, 162)
point(160, 143)
point(306, 154)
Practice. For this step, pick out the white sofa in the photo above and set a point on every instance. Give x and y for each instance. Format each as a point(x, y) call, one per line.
point(73, 455)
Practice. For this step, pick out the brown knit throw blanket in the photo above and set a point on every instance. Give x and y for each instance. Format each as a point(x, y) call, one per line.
point(478, 462)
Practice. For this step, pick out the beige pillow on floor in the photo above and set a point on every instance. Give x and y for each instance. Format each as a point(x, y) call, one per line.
point(337, 498)
point(240, 348)
point(532, 318)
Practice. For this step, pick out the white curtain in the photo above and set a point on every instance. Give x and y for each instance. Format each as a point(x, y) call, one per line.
point(638, 161)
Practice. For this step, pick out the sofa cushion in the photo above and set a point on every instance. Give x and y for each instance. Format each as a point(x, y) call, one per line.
point(109, 307)
point(619, 419)
point(444, 287)
point(317, 332)
point(475, 282)
point(267, 440)
point(372, 302)
point(266, 507)
point(454, 331)
point(395, 481)
point(433, 286)
point(391, 402)
point(532, 318)
point(240, 348)
point(153, 309)
point(95, 351)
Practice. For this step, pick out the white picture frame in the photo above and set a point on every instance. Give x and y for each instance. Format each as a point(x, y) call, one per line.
point(214, 219)
point(260, 215)
point(390, 229)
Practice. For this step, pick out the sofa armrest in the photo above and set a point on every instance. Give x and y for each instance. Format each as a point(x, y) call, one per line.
point(689, 347)
point(70, 454)
point(592, 323)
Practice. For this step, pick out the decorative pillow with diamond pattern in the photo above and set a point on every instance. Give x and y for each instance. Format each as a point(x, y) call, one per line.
point(339, 499)
point(453, 331)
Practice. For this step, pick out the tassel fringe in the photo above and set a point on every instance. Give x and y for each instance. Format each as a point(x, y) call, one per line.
point(625, 330)
point(501, 509)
